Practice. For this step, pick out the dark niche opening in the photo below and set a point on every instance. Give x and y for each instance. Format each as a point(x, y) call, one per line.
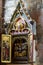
point(19, 50)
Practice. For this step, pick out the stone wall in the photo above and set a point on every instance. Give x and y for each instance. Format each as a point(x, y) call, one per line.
point(33, 3)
